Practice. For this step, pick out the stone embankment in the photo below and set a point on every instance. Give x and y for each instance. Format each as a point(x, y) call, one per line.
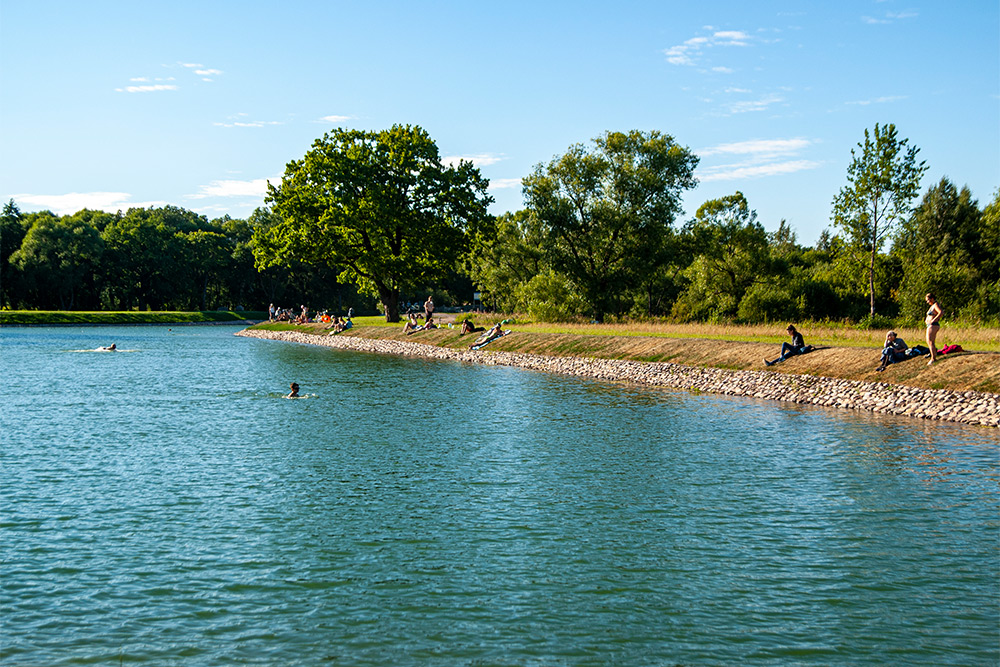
point(969, 407)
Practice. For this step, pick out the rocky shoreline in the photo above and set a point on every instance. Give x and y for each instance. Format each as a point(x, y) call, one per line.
point(967, 407)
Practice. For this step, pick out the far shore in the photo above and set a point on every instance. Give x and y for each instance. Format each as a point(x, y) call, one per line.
point(49, 318)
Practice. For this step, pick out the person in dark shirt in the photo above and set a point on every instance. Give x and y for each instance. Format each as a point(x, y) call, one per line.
point(797, 346)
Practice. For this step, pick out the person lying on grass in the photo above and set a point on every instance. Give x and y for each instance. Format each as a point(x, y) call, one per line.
point(798, 346)
point(469, 327)
point(494, 331)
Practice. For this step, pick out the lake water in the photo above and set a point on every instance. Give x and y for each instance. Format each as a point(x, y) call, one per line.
point(164, 505)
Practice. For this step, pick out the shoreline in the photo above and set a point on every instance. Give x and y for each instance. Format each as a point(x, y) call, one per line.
point(134, 324)
point(966, 407)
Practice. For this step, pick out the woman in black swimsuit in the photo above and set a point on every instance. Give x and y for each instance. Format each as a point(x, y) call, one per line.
point(932, 321)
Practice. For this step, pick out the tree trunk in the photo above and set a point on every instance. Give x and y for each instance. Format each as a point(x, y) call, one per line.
point(390, 300)
point(871, 284)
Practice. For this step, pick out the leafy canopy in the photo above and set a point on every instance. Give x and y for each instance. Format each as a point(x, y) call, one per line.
point(606, 212)
point(380, 207)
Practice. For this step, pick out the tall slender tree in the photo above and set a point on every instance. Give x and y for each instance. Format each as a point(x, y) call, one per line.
point(882, 180)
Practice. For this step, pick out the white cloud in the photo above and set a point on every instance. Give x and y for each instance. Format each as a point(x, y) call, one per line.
point(878, 100)
point(334, 119)
point(208, 72)
point(737, 172)
point(754, 105)
point(731, 37)
point(691, 50)
point(481, 160)
point(153, 88)
point(504, 183)
point(233, 188)
point(250, 123)
point(763, 148)
point(71, 202)
point(191, 65)
point(890, 17)
point(761, 158)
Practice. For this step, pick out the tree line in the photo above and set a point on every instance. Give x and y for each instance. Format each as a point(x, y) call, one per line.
point(155, 258)
point(371, 219)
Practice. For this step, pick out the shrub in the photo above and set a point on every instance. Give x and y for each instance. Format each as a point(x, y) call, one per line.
point(550, 297)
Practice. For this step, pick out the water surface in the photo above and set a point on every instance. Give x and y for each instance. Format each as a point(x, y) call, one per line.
point(164, 505)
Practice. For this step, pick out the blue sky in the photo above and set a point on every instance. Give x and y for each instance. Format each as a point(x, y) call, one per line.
point(117, 104)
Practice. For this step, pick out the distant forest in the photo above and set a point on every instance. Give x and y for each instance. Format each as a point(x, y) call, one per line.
point(721, 266)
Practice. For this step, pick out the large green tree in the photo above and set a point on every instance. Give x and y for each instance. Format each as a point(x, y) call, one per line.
point(882, 180)
point(380, 207)
point(607, 210)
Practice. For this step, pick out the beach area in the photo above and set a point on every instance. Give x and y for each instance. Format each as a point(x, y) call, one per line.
point(795, 382)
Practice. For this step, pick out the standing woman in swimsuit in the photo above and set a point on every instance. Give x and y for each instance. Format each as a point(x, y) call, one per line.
point(932, 320)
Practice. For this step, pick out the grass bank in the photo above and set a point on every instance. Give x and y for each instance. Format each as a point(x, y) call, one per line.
point(43, 317)
point(843, 353)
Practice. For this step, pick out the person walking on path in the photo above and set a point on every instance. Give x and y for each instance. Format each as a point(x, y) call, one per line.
point(932, 320)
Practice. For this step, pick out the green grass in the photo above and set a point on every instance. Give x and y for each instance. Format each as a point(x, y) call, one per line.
point(8, 317)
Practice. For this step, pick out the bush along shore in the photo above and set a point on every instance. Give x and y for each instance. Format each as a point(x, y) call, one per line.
point(968, 407)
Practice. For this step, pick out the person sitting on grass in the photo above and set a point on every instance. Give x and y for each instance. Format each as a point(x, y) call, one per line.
point(797, 346)
point(894, 350)
point(412, 324)
point(340, 325)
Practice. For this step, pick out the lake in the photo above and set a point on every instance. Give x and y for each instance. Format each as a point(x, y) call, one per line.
point(164, 504)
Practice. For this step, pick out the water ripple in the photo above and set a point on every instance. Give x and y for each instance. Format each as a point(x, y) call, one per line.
point(163, 507)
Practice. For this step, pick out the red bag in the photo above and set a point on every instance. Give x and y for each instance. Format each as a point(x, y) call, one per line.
point(948, 349)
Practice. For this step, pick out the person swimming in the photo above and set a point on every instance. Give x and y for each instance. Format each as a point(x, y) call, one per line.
point(111, 348)
point(295, 390)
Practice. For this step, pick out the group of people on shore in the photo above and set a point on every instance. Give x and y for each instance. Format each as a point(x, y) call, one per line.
point(893, 350)
point(278, 314)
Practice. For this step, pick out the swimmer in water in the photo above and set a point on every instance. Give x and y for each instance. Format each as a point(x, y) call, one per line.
point(295, 390)
point(112, 348)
